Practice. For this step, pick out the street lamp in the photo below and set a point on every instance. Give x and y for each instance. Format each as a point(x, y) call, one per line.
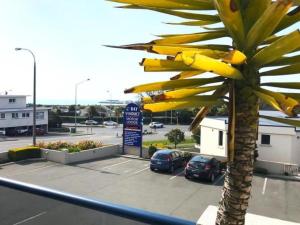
point(34, 95)
point(76, 86)
point(110, 96)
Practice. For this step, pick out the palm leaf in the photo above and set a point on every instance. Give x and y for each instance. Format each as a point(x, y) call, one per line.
point(266, 24)
point(187, 74)
point(170, 4)
point(251, 10)
point(180, 93)
point(289, 85)
point(284, 61)
point(188, 102)
point(172, 84)
point(161, 65)
point(208, 64)
point(203, 111)
point(189, 38)
point(230, 15)
point(194, 23)
point(231, 122)
point(287, 104)
point(287, 70)
point(284, 45)
point(289, 19)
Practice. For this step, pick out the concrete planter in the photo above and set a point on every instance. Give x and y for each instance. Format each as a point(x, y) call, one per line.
point(65, 157)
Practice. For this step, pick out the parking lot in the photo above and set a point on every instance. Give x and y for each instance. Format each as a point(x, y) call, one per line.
point(130, 182)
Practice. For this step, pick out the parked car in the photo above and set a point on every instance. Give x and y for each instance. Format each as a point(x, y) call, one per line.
point(202, 167)
point(110, 123)
point(91, 122)
point(2, 131)
point(167, 160)
point(38, 131)
point(22, 131)
point(156, 125)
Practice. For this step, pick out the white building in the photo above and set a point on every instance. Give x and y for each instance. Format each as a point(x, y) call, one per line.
point(277, 143)
point(15, 115)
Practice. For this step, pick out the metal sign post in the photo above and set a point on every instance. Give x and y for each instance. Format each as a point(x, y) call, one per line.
point(132, 128)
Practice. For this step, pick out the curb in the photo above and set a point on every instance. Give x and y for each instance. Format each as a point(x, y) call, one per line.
point(25, 160)
point(133, 157)
point(290, 178)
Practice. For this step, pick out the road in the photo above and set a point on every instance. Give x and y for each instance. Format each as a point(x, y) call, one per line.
point(107, 135)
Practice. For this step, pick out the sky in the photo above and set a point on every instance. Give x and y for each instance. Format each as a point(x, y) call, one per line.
point(67, 38)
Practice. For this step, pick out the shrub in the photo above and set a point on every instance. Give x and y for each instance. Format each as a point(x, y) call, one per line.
point(151, 150)
point(187, 156)
point(82, 145)
point(17, 154)
point(88, 144)
point(175, 136)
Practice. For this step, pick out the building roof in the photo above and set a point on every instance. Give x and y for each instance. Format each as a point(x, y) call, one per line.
point(265, 122)
point(12, 96)
point(23, 109)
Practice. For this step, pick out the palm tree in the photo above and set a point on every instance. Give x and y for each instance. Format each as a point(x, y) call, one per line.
point(239, 77)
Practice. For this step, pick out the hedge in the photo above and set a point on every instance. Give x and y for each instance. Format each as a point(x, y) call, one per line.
point(17, 154)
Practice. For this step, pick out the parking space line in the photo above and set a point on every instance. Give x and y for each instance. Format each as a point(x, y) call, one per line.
point(136, 172)
point(218, 180)
point(171, 178)
point(32, 170)
point(30, 218)
point(265, 185)
point(116, 164)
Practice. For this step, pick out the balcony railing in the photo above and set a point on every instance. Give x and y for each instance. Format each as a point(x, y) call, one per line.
point(105, 209)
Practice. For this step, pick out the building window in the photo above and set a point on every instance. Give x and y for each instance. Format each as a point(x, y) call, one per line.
point(15, 115)
point(265, 139)
point(2, 115)
point(11, 100)
point(220, 138)
point(25, 115)
point(40, 115)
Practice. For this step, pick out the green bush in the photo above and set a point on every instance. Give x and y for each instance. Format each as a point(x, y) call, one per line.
point(151, 150)
point(17, 154)
point(187, 156)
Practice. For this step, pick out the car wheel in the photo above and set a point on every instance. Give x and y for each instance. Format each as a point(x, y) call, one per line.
point(151, 169)
point(187, 176)
point(212, 177)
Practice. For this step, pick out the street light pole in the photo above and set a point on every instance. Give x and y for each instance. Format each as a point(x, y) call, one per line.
point(110, 96)
point(75, 114)
point(34, 95)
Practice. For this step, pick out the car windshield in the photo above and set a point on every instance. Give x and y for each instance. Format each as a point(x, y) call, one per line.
point(161, 156)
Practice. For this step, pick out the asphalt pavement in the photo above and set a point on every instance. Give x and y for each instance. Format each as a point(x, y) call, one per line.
point(20, 208)
point(130, 182)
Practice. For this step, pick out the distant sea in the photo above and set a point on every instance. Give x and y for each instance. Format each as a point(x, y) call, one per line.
point(67, 102)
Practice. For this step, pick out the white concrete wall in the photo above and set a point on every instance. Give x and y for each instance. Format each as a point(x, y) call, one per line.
point(281, 144)
point(209, 137)
point(27, 121)
point(66, 158)
point(20, 102)
point(295, 156)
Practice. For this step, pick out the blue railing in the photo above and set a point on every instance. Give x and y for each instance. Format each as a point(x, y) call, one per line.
point(100, 206)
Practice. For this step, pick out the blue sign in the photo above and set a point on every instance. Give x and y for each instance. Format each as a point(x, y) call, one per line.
point(132, 126)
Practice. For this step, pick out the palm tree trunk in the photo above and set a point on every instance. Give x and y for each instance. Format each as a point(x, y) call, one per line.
point(239, 173)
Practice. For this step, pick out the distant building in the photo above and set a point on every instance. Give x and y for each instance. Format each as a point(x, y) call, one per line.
point(15, 115)
point(277, 143)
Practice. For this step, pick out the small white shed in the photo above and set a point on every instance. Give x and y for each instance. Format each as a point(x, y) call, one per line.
point(277, 143)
